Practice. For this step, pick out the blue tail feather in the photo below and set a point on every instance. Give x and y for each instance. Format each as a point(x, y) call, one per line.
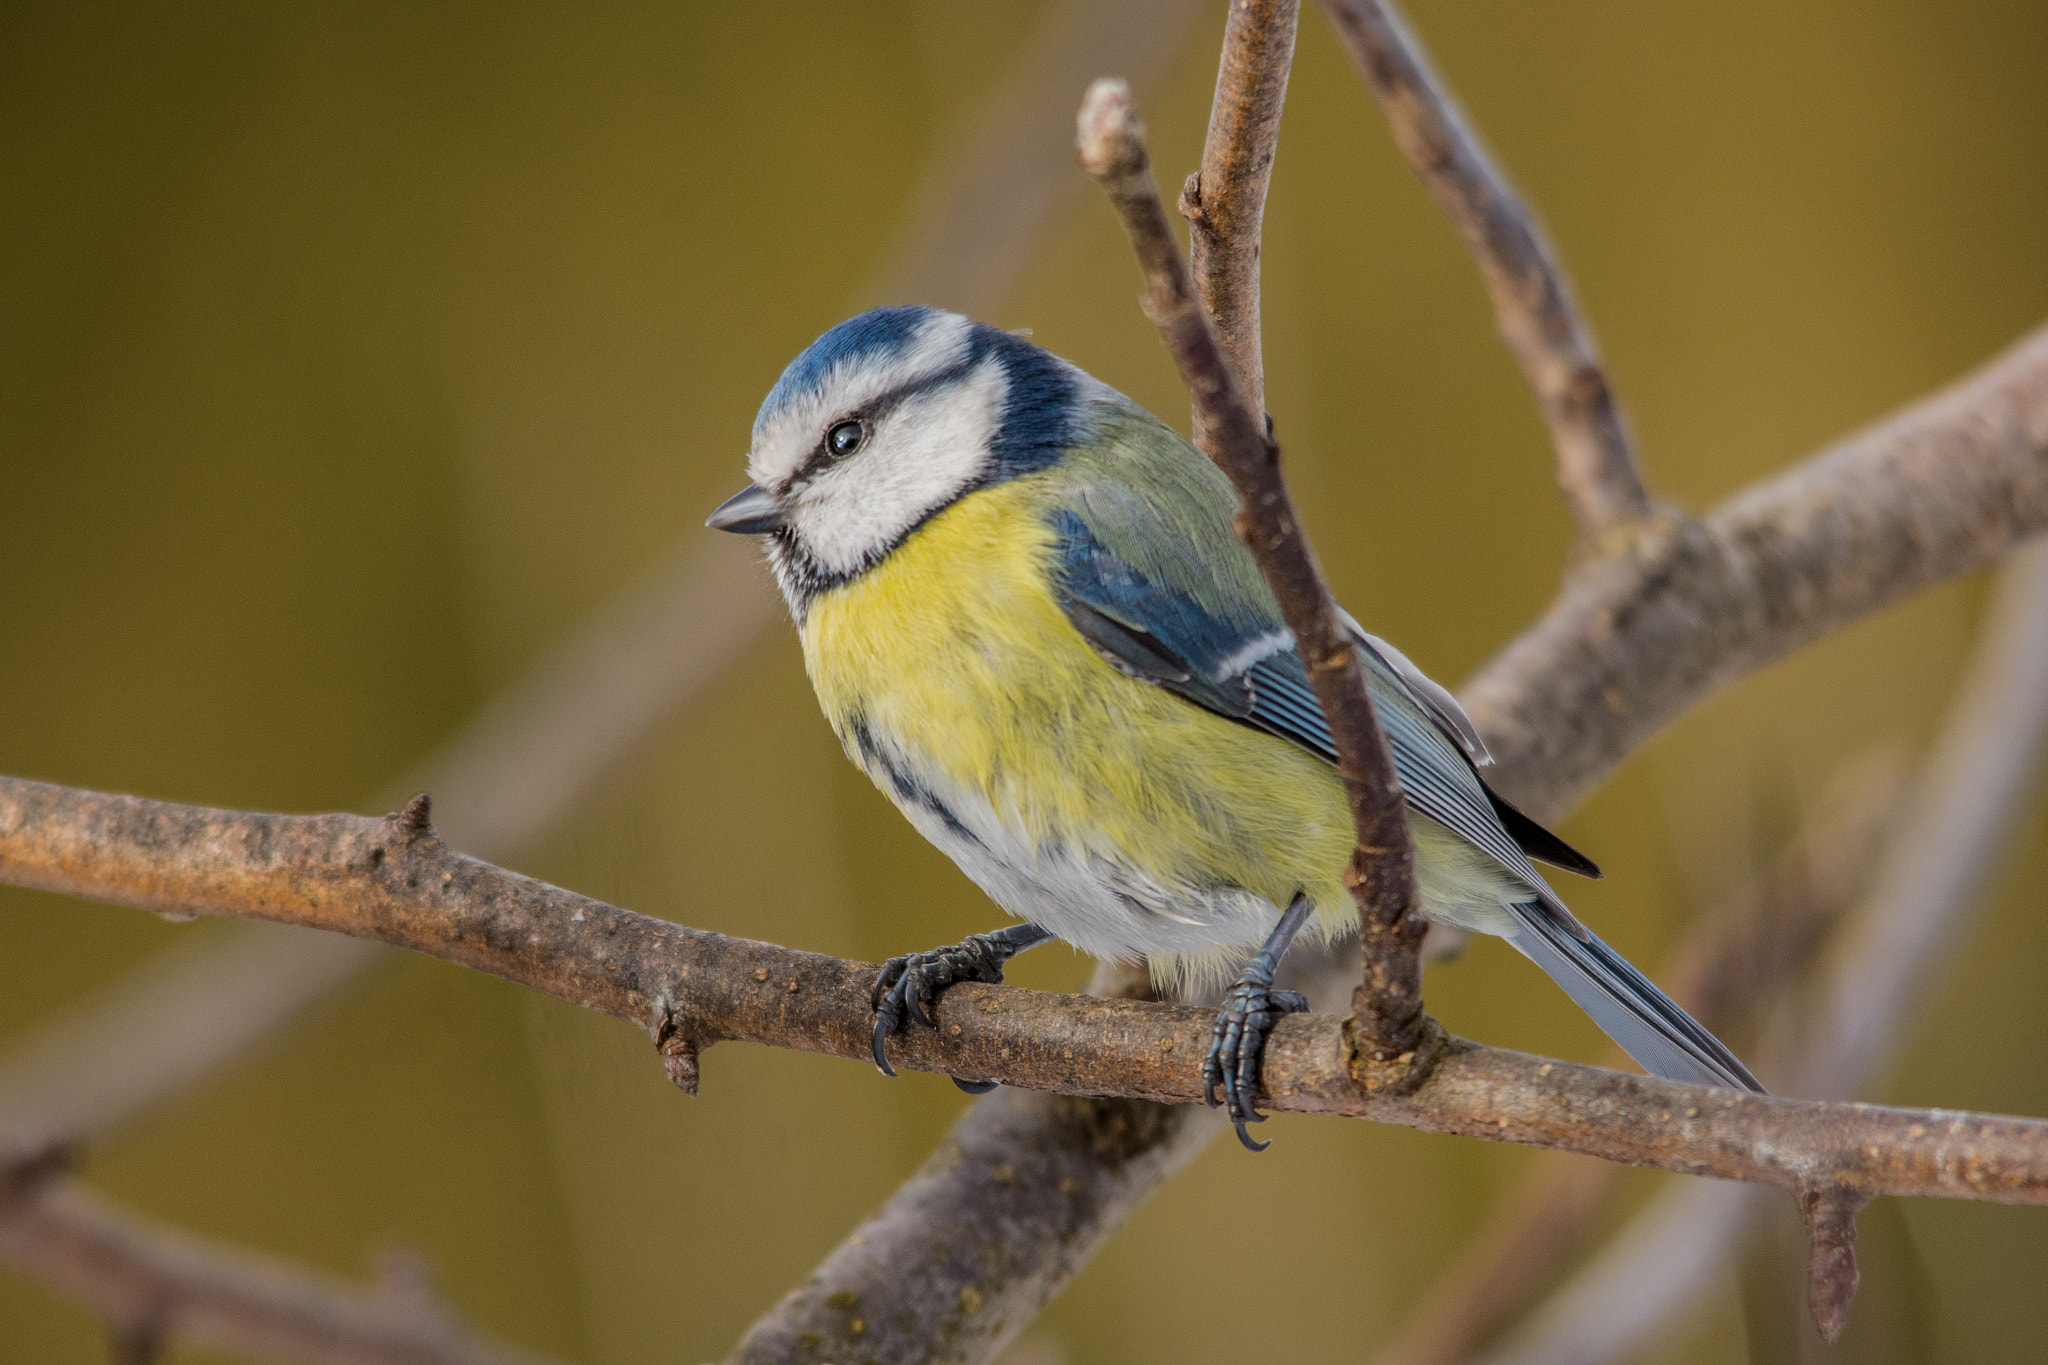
point(1647, 1023)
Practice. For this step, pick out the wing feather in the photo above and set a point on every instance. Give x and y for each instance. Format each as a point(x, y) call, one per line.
point(1242, 664)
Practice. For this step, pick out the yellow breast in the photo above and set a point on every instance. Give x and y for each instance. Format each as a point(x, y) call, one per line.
point(955, 650)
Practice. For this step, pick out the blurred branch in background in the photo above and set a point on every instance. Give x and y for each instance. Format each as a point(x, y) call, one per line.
point(984, 204)
point(1533, 307)
point(1741, 954)
point(525, 760)
point(154, 1286)
point(1963, 812)
point(535, 751)
point(1948, 485)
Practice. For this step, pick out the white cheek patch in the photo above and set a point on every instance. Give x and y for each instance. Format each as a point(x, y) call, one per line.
point(786, 440)
point(927, 449)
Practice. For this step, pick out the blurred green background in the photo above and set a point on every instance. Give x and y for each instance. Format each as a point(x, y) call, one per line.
point(350, 353)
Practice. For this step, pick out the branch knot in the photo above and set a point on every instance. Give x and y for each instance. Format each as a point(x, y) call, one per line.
point(1401, 1074)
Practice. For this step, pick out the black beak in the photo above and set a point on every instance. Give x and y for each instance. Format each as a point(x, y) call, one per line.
point(749, 512)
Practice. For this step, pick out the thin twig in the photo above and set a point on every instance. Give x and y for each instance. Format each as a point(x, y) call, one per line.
point(393, 880)
point(1225, 201)
point(153, 1285)
point(1388, 1008)
point(1986, 760)
point(1532, 303)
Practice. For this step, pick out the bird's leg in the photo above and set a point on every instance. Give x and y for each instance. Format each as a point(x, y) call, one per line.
point(908, 986)
point(1238, 1040)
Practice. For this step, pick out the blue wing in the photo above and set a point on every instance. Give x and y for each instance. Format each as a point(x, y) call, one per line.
point(1216, 640)
point(1240, 662)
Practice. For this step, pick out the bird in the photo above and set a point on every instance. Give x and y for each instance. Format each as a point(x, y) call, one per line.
point(1027, 617)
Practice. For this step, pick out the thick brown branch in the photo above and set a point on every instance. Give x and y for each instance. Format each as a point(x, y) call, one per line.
point(1225, 201)
point(1947, 486)
point(1388, 1012)
point(1013, 1203)
point(1532, 303)
point(392, 879)
point(154, 1286)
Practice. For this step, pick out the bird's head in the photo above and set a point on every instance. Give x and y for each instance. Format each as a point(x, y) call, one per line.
point(884, 421)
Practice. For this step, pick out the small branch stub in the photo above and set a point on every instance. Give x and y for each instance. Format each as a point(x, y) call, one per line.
point(417, 818)
point(1831, 1276)
point(679, 1059)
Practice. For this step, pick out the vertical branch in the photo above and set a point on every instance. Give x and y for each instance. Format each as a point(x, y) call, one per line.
point(1387, 1009)
point(1225, 201)
point(1532, 303)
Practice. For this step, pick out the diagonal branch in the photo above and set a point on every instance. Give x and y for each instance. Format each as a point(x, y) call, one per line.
point(1388, 1007)
point(1946, 486)
point(153, 1285)
point(1021, 1194)
point(394, 880)
point(1532, 302)
point(1985, 761)
point(1225, 201)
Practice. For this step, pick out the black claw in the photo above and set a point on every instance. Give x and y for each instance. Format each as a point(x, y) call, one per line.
point(1237, 1040)
point(908, 987)
point(1237, 1045)
point(920, 993)
point(891, 973)
point(975, 1087)
point(883, 1028)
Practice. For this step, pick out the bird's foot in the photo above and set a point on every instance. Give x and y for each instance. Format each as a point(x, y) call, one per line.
point(1237, 1044)
point(908, 987)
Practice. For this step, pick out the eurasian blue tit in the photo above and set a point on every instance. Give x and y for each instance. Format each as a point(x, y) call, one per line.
point(1027, 618)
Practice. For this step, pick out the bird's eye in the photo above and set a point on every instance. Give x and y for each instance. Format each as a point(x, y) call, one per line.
point(846, 438)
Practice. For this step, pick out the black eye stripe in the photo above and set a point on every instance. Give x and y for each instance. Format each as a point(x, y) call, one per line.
point(870, 416)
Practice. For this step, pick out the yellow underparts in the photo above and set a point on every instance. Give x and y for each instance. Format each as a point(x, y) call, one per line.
point(955, 648)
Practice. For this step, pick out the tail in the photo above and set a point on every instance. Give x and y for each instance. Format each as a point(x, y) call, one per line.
point(1647, 1023)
